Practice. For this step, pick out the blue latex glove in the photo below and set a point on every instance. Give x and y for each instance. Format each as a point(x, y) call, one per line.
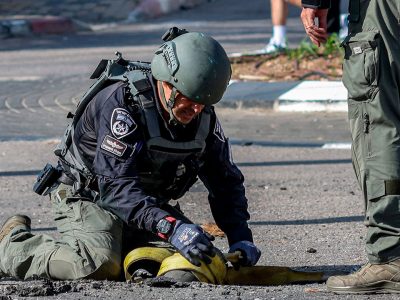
point(251, 254)
point(193, 243)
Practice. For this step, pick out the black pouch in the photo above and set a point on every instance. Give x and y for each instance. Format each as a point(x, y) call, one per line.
point(46, 179)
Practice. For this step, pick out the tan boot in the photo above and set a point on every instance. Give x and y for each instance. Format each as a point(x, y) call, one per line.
point(369, 279)
point(12, 222)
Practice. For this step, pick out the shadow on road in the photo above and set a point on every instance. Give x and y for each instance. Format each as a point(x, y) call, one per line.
point(242, 164)
point(310, 221)
point(19, 173)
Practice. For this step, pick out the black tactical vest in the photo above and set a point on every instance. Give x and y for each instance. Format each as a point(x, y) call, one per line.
point(167, 169)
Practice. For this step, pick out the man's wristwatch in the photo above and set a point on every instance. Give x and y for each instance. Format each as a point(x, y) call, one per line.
point(165, 227)
point(321, 4)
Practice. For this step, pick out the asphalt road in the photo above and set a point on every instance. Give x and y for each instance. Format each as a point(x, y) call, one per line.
point(301, 196)
point(305, 208)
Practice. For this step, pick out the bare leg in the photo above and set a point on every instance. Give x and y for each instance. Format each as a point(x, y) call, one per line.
point(279, 12)
point(294, 2)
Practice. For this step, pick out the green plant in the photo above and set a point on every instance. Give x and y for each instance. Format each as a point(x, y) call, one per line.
point(332, 46)
point(306, 49)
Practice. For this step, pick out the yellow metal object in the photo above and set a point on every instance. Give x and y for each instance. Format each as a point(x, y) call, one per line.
point(214, 273)
point(217, 272)
point(143, 254)
point(270, 275)
point(266, 275)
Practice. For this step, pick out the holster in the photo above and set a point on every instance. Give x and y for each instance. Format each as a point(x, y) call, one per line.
point(46, 179)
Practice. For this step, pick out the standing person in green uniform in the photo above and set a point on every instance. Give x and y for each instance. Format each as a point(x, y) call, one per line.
point(371, 74)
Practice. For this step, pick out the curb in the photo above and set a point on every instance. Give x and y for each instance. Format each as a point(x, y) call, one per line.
point(253, 94)
point(304, 96)
point(314, 96)
point(28, 25)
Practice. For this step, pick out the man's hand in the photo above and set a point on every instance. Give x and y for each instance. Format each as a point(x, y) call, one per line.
point(316, 32)
point(251, 254)
point(193, 243)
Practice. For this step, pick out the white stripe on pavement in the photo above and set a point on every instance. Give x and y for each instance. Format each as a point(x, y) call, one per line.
point(311, 106)
point(20, 78)
point(316, 91)
point(315, 96)
point(337, 146)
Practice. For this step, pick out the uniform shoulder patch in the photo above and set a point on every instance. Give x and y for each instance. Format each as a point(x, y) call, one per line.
point(218, 132)
point(113, 146)
point(122, 123)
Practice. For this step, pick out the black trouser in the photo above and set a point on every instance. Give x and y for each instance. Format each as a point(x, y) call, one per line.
point(334, 17)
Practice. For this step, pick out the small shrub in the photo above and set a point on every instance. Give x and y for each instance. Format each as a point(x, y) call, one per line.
point(307, 49)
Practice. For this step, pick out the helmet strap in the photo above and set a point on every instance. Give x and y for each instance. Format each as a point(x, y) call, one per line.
point(169, 103)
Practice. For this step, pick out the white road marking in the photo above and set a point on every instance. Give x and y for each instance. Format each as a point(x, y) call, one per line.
point(345, 146)
point(287, 144)
point(45, 107)
point(293, 106)
point(10, 108)
point(20, 78)
point(61, 105)
point(75, 100)
point(23, 102)
point(314, 96)
point(316, 91)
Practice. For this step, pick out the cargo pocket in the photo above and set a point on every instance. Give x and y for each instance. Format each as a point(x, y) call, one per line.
point(96, 219)
point(375, 189)
point(383, 205)
point(361, 65)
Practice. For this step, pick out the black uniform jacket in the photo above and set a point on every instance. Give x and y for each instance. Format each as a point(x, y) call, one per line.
point(109, 136)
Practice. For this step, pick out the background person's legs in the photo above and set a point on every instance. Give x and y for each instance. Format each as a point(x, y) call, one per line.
point(279, 14)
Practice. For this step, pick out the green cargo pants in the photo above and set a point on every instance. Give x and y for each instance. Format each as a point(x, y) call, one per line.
point(92, 245)
point(89, 246)
point(371, 74)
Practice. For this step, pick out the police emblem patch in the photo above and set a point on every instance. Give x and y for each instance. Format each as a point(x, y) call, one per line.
point(122, 124)
point(218, 132)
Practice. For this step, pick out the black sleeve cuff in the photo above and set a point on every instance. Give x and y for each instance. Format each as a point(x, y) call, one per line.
point(239, 234)
point(320, 4)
